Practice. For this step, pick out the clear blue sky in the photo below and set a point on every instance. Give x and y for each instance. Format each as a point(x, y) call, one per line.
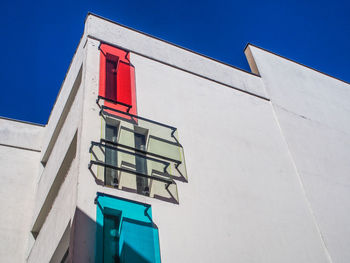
point(38, 38)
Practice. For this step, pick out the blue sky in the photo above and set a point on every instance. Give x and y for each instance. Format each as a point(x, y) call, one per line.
point(38, 38)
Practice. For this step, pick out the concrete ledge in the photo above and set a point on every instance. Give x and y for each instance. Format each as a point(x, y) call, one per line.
point(20, 134)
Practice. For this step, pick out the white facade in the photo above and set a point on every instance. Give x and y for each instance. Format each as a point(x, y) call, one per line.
point(267, 159)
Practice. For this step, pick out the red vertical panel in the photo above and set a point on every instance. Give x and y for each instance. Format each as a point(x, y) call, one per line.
point(124, 83)
point(133, 91)
point(102, 88)
point(119, 86)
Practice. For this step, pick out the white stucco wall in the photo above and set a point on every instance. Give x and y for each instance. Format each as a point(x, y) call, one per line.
point(59, 197)
point(48, 175)
point(57, 221)
point(313, 112)
point(19, 162)
point(21, 134)
point(243, 202)
point(85, 218)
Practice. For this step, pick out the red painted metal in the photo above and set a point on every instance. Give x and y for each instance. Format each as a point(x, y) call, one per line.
point(117, 78)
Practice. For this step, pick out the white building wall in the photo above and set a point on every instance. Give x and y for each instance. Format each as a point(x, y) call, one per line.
point(243, 202)
point(85, 216)
point(20, 134)
point(55, 198)
point(58, 220)
point(19, 162)
point(313, 112)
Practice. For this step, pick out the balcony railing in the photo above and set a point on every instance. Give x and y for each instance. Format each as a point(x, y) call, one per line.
point(105, 110)
point(158, 164)
point(136, 153)
point(177, 162)
point(128, 106)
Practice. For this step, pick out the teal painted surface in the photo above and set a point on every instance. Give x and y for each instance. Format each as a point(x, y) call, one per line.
point(138, 238)
point(110, 238)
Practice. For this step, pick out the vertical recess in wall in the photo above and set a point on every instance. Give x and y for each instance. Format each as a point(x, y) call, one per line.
point(117, 79)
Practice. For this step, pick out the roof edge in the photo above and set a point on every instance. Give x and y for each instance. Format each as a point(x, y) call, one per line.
point(301, 64)
point(170, 43)
point(21, 121)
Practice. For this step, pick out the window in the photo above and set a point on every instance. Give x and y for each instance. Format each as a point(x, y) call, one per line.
point(111, 155)
point(111, 77)
point(141, 164)
point(125, 232)
point(111, 238)
point(125, 158)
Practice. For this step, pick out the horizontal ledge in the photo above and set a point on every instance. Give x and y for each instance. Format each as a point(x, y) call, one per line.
point(104, 108)
point(20, 147)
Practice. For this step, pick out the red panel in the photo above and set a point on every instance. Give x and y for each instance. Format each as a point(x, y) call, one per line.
point(124, 84)
point(119, 86)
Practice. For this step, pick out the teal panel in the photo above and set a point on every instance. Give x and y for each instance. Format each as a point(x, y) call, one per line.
point(125, 227)
point(137, 242)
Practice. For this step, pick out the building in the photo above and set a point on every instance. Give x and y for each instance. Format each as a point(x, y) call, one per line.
point(155, 153)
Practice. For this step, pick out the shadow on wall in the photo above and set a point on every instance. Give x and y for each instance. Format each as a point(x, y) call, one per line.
point(170, 199)
point(83, 235)
point(135, 257)
point(92, 242)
